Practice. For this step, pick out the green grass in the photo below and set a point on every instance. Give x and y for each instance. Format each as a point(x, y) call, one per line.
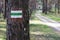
point(46, 33)
point(52, 16)
point(2, 28)
point(40, 28)
point(3, 32)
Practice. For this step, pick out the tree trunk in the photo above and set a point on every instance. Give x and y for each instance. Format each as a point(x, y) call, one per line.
point(18, 29)
point(44, 6)
point(58, 6)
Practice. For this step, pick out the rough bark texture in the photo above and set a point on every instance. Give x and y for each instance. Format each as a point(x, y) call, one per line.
point(18, 29)
point(26, 19)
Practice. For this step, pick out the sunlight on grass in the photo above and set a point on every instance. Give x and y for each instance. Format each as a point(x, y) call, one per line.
point(35, 22)
point(2, 30)
point(42, 31)
point(40, 28)
point(38, 31)
point(53, 17)
point(1, 39)
point(2, 23)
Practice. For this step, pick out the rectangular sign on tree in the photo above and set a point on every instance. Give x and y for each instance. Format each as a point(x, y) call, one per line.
point(16, 14)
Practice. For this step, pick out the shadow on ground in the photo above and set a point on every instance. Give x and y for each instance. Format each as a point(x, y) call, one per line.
point(45, 37)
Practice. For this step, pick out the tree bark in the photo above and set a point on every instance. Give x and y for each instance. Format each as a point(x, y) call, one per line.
point(18, 29)
point(26, 19)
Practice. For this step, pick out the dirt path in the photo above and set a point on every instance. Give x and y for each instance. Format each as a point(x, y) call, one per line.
point(49, 22)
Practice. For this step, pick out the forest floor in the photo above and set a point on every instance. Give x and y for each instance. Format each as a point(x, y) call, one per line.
point(2, 30)
point(49, 22)
point(53, 16)
point(40, 31)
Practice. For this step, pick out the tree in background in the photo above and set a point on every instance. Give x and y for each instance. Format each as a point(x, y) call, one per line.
point(44, 9)
point(32, 6)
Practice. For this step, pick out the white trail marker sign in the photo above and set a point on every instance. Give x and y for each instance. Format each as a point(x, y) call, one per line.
point(16, 14)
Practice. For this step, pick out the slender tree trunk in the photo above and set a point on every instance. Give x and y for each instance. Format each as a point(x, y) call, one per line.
point(58, 6)
point(44, 6)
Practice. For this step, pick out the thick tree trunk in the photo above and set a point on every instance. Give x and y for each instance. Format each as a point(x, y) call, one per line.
point(18, 29)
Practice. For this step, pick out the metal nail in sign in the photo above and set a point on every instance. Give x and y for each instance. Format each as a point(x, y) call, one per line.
point(16, 14)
